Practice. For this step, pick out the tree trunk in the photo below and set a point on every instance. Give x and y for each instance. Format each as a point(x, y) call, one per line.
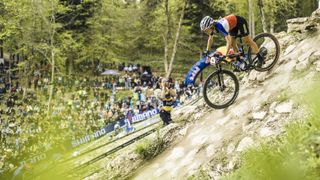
point(253, 21)
point(175, 46)
point(52, 34)
point(52, 76)
point(9, 71)
point(263, 17)
point(166, 37)
point(272, 21)
point(249, 2)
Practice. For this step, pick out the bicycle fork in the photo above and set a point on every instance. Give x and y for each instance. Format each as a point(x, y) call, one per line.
point(220, 79)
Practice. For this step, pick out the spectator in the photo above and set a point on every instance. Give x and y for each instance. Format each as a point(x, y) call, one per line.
point(168, 96)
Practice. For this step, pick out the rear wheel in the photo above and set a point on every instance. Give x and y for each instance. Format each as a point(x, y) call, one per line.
point(220, 89)
point(269, 49)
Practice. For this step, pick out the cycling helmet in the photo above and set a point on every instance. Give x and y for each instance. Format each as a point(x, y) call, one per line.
point(206, 22)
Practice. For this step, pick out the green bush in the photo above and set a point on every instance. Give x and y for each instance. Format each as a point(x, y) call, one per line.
point(200, 175)
point(148, 149)
point(143, 148)
point(294, 155)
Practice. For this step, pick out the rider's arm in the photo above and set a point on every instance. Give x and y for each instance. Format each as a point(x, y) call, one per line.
point(209, 44)
point(228, 39)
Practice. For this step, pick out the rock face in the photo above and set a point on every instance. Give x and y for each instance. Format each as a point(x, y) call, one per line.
point(304, 24)
point(316, 13)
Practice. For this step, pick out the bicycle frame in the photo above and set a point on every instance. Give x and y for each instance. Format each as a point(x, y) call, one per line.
point(197, 68)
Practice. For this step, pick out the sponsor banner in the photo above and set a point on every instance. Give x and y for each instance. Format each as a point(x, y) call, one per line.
point(145, 115)
point(95, 135)
point(151, 121)
point(110, 127)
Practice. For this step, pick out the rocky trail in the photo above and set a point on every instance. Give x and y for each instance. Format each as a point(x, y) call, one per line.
point(212, 140)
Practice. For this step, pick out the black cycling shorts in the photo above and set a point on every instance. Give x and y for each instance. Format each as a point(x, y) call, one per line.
point(241, 28)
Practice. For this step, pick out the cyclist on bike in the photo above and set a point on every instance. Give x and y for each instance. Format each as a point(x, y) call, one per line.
point(229, 26)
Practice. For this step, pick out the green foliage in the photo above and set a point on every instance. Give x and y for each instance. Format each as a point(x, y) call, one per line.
point(200, 175)
point(93, 31)
point(148, 149)
point(283, 96)
point(143, 149)
point(294, 155)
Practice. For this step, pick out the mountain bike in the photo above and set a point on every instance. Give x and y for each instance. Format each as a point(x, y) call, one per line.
point(221, 87)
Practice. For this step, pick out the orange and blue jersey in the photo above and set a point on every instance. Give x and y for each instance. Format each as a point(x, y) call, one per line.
point(226, 24)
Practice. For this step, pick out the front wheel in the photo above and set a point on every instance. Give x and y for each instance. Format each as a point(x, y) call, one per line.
point(269, 49)
point(220, 89)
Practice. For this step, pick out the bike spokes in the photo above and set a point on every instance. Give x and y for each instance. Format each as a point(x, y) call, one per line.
point(269, 51)
point(221, 89)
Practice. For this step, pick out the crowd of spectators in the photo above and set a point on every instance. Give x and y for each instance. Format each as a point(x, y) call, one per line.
point(80, 106)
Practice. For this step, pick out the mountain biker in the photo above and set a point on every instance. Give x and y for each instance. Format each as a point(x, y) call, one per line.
point(229, 26)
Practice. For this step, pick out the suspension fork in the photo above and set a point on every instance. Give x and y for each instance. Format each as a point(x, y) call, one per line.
point(220, 78)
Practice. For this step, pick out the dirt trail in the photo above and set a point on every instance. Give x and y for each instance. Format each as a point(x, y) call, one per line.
point(209, 133)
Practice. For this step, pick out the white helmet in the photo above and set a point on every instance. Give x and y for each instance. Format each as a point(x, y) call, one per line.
point(206, 22)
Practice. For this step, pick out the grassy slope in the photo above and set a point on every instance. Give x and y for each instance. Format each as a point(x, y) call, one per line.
point(294, 155)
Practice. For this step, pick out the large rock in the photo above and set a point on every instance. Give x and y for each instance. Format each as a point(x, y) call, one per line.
point(262, 76)
point(232, 163)
point(259, 76)
point(244, 144)
point(287, 41)
point(265, 132)
point(302, 24)
point(285, 107)
point(259, 115)
point(316, 13)
point(315, 16)
point(253, 75)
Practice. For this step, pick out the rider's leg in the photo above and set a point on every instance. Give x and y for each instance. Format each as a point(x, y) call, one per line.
point(234, 44)
point(252, 44)
point(255, 50)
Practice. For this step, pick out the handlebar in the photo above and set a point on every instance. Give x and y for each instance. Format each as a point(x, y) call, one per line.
point(222, 58)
